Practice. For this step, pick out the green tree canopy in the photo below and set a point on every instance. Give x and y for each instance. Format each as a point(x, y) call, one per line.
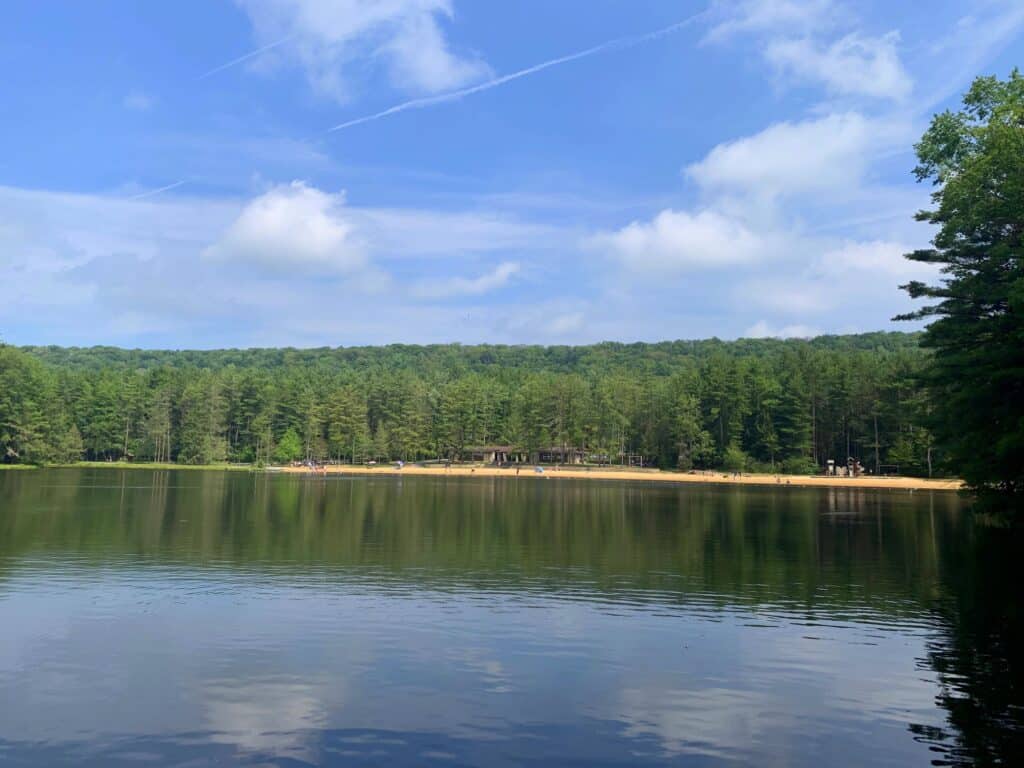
point(290, 447)
point(975, 158)
point(672, 404)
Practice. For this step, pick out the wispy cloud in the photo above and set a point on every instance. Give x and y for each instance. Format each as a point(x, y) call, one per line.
point(959, 56)
point(444, 98)
point(335, 42)
point(854, 65)
point(799, 39)
point(466, 286)
point(138, 101)
point(797, 17)
point(150, 193)
point(762, 329)
point(245, 57)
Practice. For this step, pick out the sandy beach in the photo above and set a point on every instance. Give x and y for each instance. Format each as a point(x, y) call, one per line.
point(648, 475)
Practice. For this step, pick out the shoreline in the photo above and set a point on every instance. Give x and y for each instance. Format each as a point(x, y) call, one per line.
point(650, 475)
point(527, 471)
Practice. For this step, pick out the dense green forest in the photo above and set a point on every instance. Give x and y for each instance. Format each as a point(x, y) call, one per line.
point(750, 404)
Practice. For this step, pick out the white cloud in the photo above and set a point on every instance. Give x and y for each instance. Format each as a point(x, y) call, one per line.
point(676, 240)
point(293, 226)
point(791, 295)
point(138, 101)
point(566, 323)
point(419, 58)
point(560, 320)
point(137, 268)
point(845, 280)
point(830, 152)
point(853, 65)
point(798, 38)
point(466, 286)
point(875, 257)
point(766, 203)
point(334, 39)
point(763, 330)
point(789, 16)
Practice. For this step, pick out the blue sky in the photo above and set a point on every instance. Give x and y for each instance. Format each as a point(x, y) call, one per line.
point(170, 177)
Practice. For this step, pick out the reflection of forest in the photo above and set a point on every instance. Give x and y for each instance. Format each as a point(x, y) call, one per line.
point(813, 547)
point(848, 554)
point(978, 655)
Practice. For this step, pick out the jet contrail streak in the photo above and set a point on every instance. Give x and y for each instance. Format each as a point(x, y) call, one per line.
point(245, 57)
point(152, 192)
point(441, 98)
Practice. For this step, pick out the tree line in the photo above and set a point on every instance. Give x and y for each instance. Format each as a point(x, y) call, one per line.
point(768, 405)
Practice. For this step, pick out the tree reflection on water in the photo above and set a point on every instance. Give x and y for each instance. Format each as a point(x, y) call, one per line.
point(978, 655)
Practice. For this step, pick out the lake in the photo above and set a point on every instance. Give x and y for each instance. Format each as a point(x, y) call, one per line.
point(204, 618)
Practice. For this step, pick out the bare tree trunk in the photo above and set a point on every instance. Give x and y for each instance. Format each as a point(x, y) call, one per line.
point(814, 431)
point(876, 443)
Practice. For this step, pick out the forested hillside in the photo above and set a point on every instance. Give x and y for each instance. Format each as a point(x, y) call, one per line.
point(753, 404)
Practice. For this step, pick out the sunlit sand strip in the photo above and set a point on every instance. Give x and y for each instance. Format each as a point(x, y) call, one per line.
point(577, 473)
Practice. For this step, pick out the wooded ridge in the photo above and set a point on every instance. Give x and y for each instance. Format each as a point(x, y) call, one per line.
point(752, 404)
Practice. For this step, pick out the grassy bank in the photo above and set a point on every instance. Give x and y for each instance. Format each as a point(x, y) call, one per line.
point(134, 465)
point(151, 465)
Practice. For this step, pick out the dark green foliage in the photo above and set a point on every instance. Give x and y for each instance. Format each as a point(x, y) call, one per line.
point(694, 445)
point(675, 404)
point(21, 416)
point(975, 157)
point(799, 465)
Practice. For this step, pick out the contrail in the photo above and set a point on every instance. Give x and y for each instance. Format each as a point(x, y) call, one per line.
point(152, 192)
point(429, 101)
point(245, 57)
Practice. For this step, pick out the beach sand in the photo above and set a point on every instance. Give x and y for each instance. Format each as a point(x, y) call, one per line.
point(648, 475)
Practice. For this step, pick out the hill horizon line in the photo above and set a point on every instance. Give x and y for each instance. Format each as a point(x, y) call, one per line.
point(862, 335)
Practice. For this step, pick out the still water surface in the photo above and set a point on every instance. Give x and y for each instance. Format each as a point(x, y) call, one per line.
point(192, 618)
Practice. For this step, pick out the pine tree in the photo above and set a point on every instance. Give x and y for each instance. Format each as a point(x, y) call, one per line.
point(694, 445)
point(975, 158)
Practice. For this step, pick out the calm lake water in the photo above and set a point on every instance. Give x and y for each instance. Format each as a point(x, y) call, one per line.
point(193, 618)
